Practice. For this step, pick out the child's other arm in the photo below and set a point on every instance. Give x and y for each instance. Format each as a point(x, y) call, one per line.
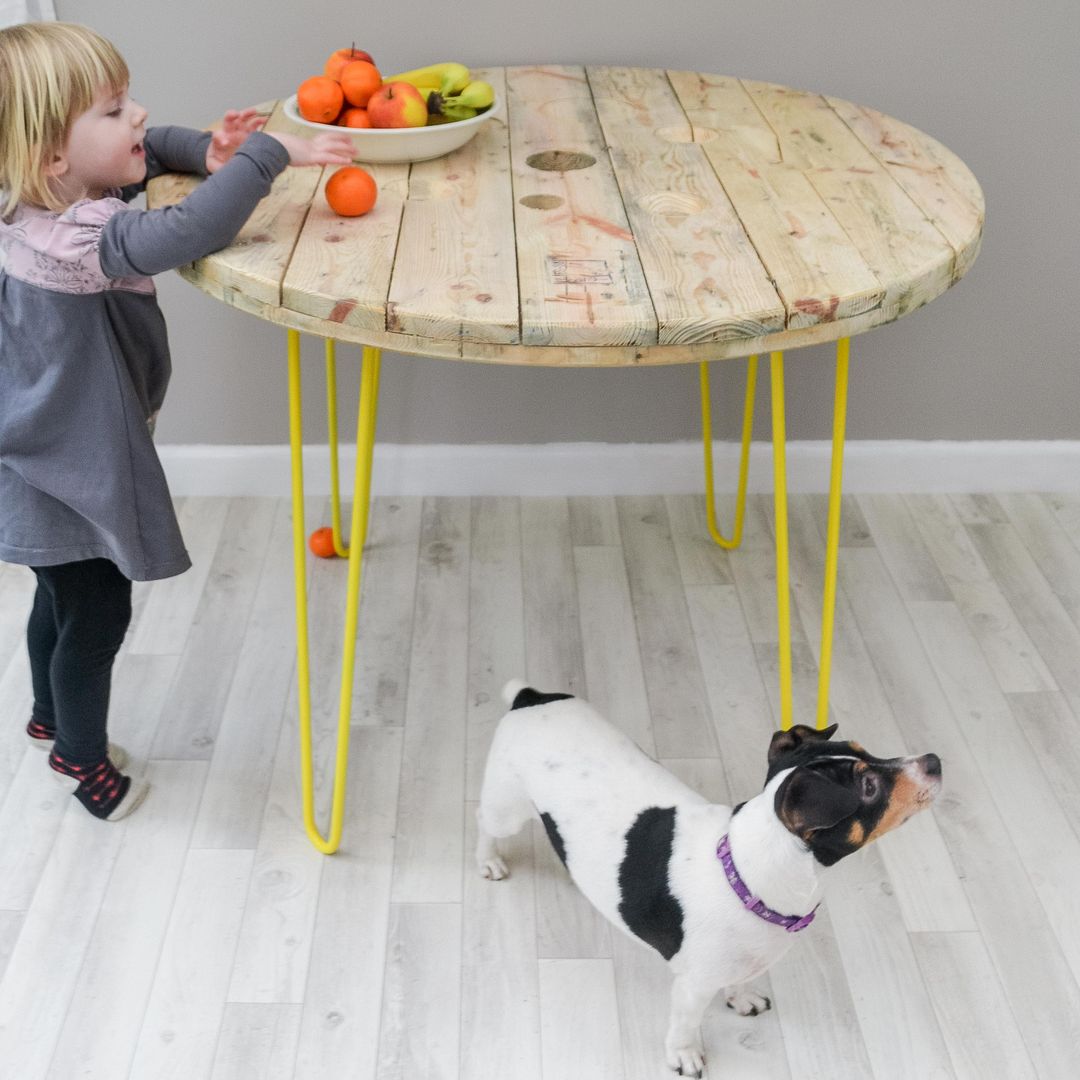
point(180, 149)
point(138, 243)
point(171, 149)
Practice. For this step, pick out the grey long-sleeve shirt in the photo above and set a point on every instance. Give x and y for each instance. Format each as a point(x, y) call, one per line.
point(84, 358)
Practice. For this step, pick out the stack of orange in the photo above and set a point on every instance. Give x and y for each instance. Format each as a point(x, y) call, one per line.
point(340, 96)
point(341, 93)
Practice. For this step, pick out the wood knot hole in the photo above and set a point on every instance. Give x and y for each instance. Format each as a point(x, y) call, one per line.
point(541, 202)
point(560, 160)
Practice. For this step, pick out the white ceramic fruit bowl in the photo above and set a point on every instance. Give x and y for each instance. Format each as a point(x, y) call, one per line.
point(385, 145)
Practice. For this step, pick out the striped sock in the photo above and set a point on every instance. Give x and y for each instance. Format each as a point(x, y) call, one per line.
point(101, 787)
point(37, 730)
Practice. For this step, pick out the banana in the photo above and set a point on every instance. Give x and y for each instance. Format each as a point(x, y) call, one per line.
point(458, 112)
point(447, 108)
point(479, 95)
point(447, 78)
point(475, 98)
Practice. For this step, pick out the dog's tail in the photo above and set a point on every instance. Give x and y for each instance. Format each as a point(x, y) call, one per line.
point(511, 690)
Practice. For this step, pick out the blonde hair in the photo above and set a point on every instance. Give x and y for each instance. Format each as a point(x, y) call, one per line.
point(50, 73)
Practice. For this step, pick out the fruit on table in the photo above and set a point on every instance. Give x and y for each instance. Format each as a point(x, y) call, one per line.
point(478, 94)
point(319, 99)
point(359, 80)
point(354, 118)
point(446, 110)
point(447, 78)
point(321, 542)
point(475, 97)
point(351, 191)
point(342, 57)
point(396, 105)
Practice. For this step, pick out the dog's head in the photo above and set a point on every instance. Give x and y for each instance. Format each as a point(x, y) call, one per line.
point(838, 798)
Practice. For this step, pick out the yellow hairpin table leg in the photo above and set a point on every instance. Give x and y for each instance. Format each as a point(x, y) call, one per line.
point(744, 458)
point(365, 441)
point(364, 453)
point(832, 543)
point(783, 595)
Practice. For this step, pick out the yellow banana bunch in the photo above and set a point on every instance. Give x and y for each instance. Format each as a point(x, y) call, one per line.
point(447, 78)
point(479, 95)
point(474, 98)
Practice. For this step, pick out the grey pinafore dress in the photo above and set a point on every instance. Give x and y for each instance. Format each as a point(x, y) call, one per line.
point(84, 358)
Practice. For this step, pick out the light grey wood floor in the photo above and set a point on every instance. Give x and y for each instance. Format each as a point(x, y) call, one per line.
point(205, 938)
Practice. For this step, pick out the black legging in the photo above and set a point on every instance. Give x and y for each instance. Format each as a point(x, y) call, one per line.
point(81, 613)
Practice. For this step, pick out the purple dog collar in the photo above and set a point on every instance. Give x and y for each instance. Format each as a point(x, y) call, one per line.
point(791, 923)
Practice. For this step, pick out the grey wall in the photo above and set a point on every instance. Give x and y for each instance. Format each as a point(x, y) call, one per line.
point(995, 358)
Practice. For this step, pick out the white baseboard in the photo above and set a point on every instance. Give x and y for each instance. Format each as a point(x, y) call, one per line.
point(630, 469)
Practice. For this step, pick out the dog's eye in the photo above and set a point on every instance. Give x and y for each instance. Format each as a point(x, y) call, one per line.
point(870, 787)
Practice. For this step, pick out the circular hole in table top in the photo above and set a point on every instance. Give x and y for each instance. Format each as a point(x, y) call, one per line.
point(560, 160)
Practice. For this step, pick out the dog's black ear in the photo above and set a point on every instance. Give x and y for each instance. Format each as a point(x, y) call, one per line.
point(810, 799)
point(783, 742)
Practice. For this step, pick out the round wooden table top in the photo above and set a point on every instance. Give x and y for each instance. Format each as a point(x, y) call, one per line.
point(611, 216)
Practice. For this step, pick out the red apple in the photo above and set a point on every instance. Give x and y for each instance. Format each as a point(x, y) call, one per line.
point(339, 59)
point(397, 105)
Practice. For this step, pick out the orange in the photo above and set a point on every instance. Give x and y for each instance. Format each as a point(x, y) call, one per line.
point(321, 543)
point(351, 191)
point(342, 57)
point(319, 99)
point(354, 118)
point(359, 80)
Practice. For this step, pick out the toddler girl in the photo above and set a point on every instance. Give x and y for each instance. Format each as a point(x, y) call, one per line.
point(84, 359)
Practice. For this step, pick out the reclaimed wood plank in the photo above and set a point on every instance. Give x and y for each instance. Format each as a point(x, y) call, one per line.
point(579, 274)
point(322, 278)
point(256, 261)
point(818, 271)
point(906, 251)
point(455, 274)
point(526, 355)
point(937, 181)
point(705, 278)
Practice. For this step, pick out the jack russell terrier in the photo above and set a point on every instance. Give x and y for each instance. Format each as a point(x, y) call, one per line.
point(719, 893)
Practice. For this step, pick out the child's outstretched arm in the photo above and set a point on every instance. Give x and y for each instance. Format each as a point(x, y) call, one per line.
point(170, 148)
point(138, 243)
point(237, 125)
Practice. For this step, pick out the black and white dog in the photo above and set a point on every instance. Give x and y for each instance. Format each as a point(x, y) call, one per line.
point(719, 893)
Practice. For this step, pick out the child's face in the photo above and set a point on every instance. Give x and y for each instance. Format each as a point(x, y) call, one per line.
point(104, 148)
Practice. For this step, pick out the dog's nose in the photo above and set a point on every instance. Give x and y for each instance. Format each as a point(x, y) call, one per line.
point(931, 764)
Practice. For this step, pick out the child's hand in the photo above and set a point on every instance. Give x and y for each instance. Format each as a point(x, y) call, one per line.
point(235, 128)
point(322, 150)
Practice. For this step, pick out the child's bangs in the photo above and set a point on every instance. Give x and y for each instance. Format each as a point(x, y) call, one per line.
point(92, 64)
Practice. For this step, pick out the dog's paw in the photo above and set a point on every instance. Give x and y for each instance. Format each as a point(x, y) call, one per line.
point(687, 1060)
point(494, 869)
point(747, 1002)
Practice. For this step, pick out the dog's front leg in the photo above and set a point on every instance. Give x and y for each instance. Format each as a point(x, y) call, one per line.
point(492, 864)
point(690, 997)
